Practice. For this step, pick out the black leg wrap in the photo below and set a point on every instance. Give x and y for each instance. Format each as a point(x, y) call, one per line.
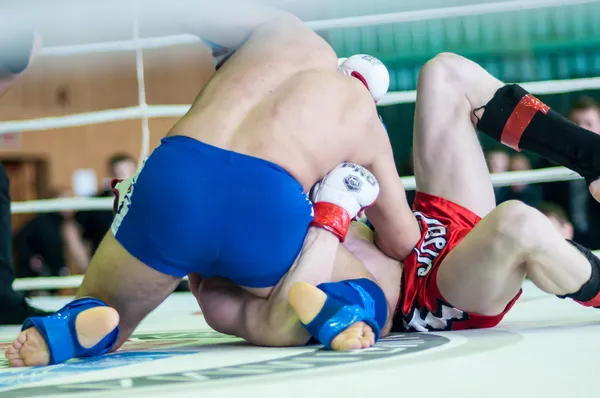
point(499, 109)
point(591, 288)
point(548, 134)
point(15, 49)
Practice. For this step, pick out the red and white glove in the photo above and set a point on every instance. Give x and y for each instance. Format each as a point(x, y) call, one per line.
point(341, 195)
point(369, 70)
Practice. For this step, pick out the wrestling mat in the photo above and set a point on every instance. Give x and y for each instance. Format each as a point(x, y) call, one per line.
point(545, 347)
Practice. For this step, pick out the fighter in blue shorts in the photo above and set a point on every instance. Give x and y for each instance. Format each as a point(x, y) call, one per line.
point(225, 197)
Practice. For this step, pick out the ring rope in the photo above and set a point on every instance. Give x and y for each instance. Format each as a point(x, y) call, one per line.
point(349, 22)
point(550, 174)
point(139, 63)
point(160, 111)
point(68, 282)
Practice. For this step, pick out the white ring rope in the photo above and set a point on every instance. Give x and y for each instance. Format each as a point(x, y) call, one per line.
point(160, 111)
point(139, 63)
point(368, 20)
point(68, 282)
point(551, 174)
point(50, 282)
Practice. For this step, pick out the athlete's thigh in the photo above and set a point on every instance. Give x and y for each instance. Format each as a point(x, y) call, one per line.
point(126, 284)
point(484, 272)
point(448, 158)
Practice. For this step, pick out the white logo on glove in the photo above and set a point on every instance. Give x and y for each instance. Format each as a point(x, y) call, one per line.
point(352, 183)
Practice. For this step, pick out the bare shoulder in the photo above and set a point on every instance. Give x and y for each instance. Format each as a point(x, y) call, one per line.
point(288, 40)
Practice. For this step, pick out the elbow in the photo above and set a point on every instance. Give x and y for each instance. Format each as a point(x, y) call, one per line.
point(397, 249)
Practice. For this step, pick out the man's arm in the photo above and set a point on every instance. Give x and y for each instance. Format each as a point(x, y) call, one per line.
point(397, 231)
point(233, 310)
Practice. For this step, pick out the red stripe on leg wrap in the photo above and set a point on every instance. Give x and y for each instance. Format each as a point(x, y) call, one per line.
point(333, 218)
point(595, 302)
point(519, 120)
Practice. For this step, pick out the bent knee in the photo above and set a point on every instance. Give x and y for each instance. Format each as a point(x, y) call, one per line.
point(521, 223)
point(444, 67)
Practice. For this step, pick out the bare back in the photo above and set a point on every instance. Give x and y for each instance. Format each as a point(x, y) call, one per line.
point(283, 100)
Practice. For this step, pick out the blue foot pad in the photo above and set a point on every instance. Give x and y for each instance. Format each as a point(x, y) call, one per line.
point(347, 303)
point(60, 334)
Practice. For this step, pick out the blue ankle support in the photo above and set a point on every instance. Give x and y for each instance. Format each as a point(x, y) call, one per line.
point(58, 330)
point(349, 302)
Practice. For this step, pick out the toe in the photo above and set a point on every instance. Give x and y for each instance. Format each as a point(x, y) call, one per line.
point(16, 363)
point(350, 344)
point(21, 339)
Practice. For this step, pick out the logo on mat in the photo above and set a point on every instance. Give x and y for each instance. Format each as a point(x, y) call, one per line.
point(353, 184)
point(142, 349)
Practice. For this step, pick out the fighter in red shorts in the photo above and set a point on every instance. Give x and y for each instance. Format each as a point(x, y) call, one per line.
point(468, 267)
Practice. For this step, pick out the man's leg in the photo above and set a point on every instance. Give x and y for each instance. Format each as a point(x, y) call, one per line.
point(129, 288)
point(519, 120)
point(125, 284)
point(486, 270)
point(448, 158)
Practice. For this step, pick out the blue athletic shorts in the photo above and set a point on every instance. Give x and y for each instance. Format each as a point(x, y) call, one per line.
point(197, 208)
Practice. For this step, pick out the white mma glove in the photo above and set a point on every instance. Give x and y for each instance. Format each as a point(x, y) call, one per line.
point(369, 70)
point(341, 195)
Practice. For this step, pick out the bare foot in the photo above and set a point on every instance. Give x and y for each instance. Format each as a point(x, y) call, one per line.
point(308, 300)
point(30, 348)
point(595, 190)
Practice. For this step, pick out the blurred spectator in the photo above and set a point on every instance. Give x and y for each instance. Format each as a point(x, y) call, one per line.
point(585, 112)
point(558, 217)
point(120, 166)
point(526, 193)
point(498, 161)
point(96, 224)
point(41, 243)
point(573, 196)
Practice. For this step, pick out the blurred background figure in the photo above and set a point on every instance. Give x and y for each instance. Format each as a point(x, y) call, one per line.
point(120, 166)
point(498, 161)
point(43, 244)
point(585, 111)
point(558, 217)
point(95, 224)
point(18, 46)
point(530, 194)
